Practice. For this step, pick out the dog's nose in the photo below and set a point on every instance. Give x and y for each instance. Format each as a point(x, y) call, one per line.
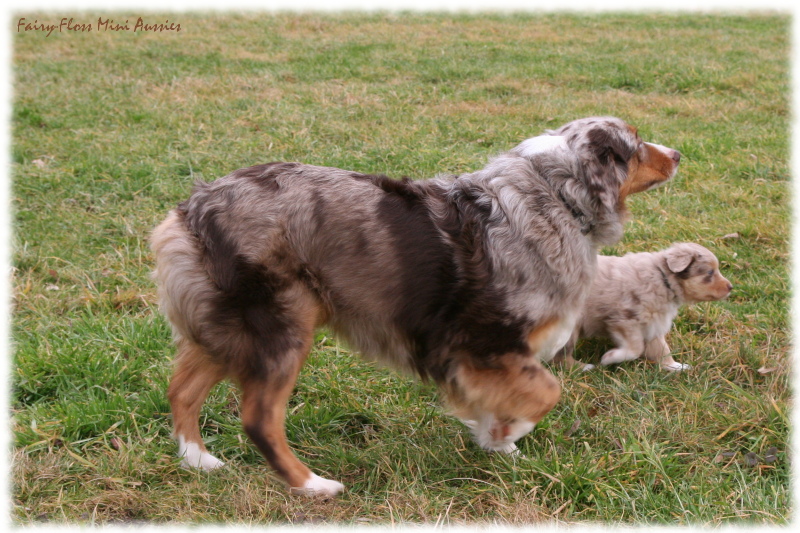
point(676, 156)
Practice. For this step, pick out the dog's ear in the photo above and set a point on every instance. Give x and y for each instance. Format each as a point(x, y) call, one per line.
point(612, 144)
point(603, 147)
point(605, 155)
point(679, 259)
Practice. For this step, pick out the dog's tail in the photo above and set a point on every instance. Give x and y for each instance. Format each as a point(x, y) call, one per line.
point(218, 252)
point(184, 287)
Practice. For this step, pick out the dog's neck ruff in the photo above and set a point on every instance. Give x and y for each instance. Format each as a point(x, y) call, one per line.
point(535, 146)
point(583, 221)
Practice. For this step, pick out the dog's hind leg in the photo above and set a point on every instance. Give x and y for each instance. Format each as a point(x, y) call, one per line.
point(287, 340)
point(264, 403)
point(194, 376)
point(629, 346)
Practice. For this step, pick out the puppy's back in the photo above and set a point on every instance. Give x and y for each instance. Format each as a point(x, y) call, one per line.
point(624, 288)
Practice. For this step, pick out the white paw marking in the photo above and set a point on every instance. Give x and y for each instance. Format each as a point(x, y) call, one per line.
point(193, 457)
point(588, 367)
point(616, 356)
point(508, 448)
point(676, 367)
point(318, 487)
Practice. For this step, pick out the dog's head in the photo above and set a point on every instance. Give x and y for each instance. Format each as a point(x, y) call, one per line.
point(616, 160)
point(696, 269)
point(596, 163)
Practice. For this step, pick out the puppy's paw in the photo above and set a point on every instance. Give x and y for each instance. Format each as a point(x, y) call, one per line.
point(617, 355)
point(675, 366)
point(508, 448)
point(203, 461)
point(587, 367)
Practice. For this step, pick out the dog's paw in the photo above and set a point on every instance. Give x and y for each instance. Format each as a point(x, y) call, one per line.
point(508, 448)
point(318, 487)
point(676, 367)
point(587, 367)
point(205, 462)
point(193, 457)
point(617, 356)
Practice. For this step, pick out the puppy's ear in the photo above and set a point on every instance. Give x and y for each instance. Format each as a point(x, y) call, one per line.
point(679, 260)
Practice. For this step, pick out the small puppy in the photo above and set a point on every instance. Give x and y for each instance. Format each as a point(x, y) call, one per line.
point(635, 298)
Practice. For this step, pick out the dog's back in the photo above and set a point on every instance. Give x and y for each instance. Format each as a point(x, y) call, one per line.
point(264, 236)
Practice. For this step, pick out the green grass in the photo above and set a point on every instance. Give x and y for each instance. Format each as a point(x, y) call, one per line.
point(111, 129)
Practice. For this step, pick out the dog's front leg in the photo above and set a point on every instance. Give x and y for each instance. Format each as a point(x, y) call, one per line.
point(502, 404)
point(657, 350)
point(565, 357)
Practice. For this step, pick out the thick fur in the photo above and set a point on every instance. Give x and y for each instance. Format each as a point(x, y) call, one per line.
point(469, 281)
point(636, 297)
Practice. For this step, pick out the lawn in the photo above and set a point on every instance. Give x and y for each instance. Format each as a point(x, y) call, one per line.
point(111, 128)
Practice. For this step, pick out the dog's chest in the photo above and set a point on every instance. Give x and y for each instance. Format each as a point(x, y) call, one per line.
point(658, 323)
point(547, 340)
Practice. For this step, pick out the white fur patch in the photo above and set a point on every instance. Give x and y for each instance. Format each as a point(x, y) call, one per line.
point(661, 148)
point(618, 355)
point(519, 429)
point(319, 487)
point(660, 324)
point(558, 338)
point(193, 457)
point(482, 432)
point(667, 152)
point(538, 145)
point(676, 367)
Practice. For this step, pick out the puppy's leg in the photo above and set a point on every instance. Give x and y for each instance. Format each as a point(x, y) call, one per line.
point(630, 346)
point(657, 350)
point(504, 404)
point(566, 358)
point(194, 376)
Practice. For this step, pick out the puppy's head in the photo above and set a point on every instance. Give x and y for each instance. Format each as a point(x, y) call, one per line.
point(696, 269)
point(616, 160)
